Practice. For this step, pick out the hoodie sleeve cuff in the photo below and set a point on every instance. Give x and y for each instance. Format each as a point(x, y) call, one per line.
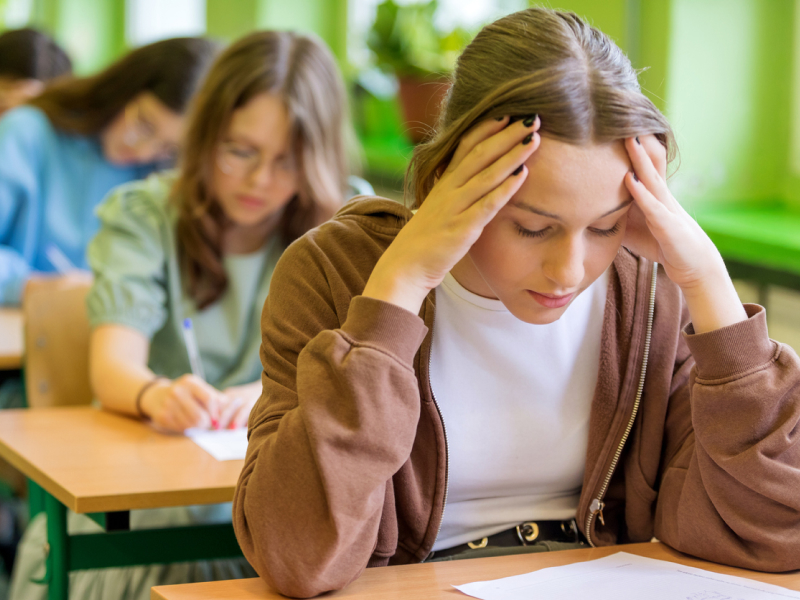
point(385, 326)
point(734, 350)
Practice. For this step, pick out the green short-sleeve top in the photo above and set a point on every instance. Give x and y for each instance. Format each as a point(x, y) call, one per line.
point(138, 284)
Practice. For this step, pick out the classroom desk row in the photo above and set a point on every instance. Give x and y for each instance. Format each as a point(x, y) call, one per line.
point(102, 464)
point(435, 580)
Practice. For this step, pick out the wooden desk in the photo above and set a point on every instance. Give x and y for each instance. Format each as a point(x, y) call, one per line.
point(11, 340)
point(105, 465)
point(435, 580)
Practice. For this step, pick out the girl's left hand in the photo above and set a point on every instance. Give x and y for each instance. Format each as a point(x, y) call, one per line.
point(659, 229)
point(237, 404)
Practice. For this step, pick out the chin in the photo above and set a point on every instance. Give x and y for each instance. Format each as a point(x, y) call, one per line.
point(248, 219)
point(543, 316)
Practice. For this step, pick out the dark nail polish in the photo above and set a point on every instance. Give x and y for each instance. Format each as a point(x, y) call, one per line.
point(635, 178)
point(528, 122)
point(637, 140)
point(528, 139)
point(500, 118)
point(518, 170)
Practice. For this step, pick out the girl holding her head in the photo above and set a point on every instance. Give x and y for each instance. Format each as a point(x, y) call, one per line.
point(65, 150)
point(265, 161)
point(548, 352)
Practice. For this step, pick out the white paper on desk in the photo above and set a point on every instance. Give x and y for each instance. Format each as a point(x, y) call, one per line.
point(624, 576)
point(222, 444)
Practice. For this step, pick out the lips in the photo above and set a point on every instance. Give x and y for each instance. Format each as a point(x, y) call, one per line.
point(250, 201)
point(551, 300)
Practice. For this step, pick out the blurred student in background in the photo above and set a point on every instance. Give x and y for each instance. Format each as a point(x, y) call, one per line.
point(29, 59)
point(68, 147)
point(265, 161)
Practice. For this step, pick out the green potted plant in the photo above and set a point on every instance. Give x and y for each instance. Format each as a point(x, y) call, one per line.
point(406, 42)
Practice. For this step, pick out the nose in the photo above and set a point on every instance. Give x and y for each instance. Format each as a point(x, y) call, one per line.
point(262, 174)
point(564, 263)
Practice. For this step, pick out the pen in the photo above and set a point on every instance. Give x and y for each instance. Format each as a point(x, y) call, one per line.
point(58, 259)
point(192, 349)
point(194, 356)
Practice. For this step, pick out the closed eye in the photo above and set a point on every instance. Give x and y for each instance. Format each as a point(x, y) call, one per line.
point(541, 232)
point(531, 234)
point(607, 232)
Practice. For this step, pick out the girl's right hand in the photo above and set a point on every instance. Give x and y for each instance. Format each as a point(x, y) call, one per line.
point(185, 402)
point(480, 179)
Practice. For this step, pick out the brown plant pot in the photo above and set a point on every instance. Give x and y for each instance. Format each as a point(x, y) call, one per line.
point(420, 100)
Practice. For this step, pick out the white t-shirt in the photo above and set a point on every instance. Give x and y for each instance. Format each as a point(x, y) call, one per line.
point(515, 399)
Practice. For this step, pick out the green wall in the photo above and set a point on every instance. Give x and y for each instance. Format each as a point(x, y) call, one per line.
point(326, 18)
point(92, 31)
point(722, 71)
point(729, 97)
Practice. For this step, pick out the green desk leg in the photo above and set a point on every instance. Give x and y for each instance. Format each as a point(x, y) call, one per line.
point(35, 499)
point(58, 553)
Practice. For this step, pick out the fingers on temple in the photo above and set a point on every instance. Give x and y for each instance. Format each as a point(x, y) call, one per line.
point(646, 170)
point(497, 174)
point(475, 135)
point(485, 209)
point(491, 149)
point(657, 153)
point(655, 213)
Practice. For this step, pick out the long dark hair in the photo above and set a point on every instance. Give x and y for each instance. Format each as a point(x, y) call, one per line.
point(301, 71)
point(31, 54)
point(169, 69)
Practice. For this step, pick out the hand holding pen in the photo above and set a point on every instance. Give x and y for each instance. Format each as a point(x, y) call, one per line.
point(187, 401)
point(182, 403)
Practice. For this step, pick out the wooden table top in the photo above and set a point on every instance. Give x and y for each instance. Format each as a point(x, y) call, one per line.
point(11, 339)
point(435, 580)
point(97, 461)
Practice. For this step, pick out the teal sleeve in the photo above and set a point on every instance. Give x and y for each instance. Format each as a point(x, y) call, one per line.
point(128, 259)
point(24, 134)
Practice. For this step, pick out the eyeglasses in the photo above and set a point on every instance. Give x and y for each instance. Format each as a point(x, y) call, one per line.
point(240, 161)
point(140, 131)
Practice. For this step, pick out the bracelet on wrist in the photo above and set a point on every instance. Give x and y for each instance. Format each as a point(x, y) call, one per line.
point(141, 393)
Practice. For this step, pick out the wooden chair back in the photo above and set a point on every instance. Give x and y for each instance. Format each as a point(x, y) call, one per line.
point(56, 342)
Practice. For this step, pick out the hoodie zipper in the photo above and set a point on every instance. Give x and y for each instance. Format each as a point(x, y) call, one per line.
point(597, 505)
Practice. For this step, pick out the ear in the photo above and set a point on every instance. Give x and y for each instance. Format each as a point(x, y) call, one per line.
point(657, 153)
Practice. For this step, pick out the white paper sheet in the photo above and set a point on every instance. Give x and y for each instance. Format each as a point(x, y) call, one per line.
point(223, 444)
point(624, 576)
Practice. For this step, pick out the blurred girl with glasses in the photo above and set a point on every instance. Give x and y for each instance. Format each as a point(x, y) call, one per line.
point(265, 162)
point(65, 150)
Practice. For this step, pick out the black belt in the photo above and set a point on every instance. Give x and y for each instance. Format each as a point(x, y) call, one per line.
point(524, 534)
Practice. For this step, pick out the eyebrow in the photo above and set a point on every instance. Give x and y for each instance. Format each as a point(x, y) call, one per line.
point(544, 213)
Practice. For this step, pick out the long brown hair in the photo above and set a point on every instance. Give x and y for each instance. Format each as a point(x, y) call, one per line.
point(301, 71)
point(169, 69)
point(546, 62)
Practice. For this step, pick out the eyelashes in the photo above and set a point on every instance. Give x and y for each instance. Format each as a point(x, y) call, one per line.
point(542, 232)
point(607, 232)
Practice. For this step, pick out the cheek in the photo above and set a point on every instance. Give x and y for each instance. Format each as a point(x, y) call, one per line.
point(501, 253)
point(599, 256)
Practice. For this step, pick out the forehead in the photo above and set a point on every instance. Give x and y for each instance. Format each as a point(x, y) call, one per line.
point(263, 122)
point(576, 181)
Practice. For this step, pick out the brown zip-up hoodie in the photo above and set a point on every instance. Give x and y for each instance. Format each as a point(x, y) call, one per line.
point(346, 466)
